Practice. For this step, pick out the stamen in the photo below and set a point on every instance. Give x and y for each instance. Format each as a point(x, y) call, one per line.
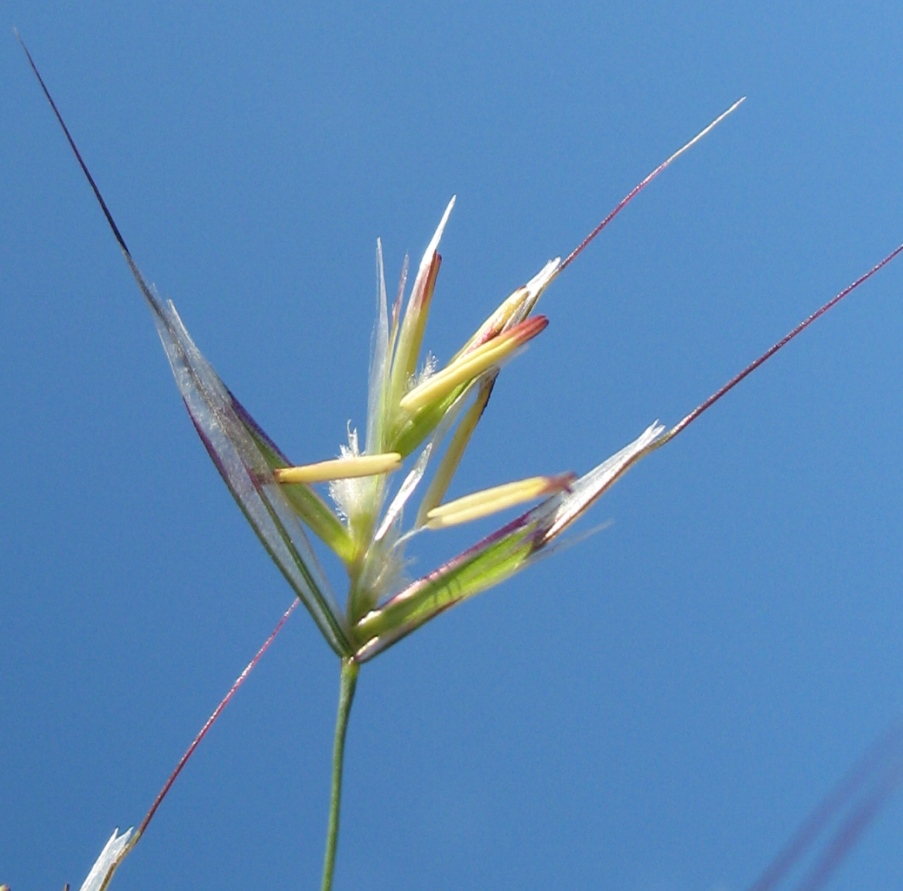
point(340, 469)
point(472, 365)
point(498, 498)
point(515, 308)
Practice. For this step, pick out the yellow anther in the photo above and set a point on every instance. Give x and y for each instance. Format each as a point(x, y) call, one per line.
point(498, 498)
point(516, 307)
point(471, 365)
point(339, 469)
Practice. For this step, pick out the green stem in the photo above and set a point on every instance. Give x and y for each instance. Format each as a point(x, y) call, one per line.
point(347, 683)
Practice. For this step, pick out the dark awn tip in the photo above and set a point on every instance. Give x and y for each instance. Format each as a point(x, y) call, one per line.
point(74, 147)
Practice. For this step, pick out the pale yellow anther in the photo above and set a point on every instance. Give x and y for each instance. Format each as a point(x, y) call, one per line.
point(470, 366)
point(517, 306)
point(498, 498)
point(503, 315)
point(339, 469)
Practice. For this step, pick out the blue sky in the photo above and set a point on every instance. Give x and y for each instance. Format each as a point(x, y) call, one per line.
point(655, 708)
